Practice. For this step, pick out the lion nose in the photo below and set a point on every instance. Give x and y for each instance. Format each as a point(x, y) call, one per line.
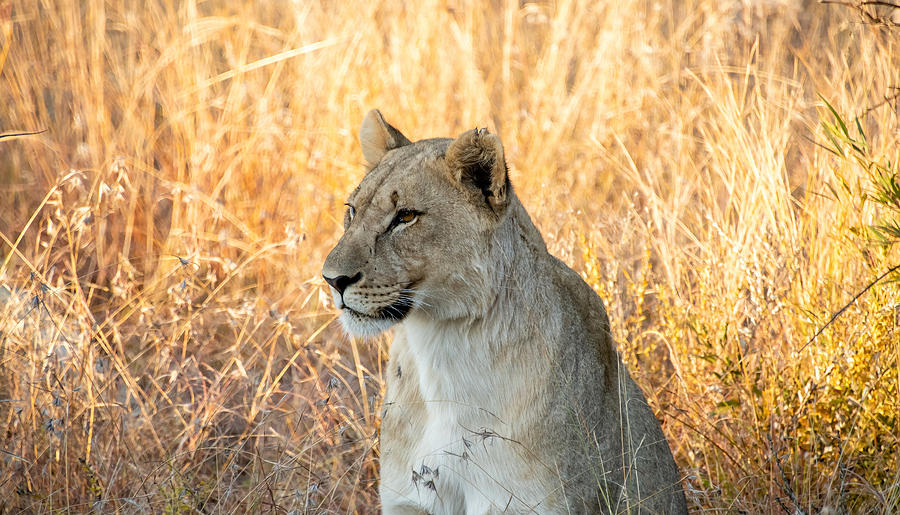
point(341, 282)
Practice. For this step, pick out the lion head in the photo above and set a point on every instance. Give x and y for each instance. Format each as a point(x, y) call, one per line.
point(419, 229)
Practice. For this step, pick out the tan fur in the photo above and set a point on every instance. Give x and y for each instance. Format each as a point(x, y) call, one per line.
point(504, 389)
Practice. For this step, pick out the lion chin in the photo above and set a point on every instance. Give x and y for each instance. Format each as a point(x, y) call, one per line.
point(363, 326)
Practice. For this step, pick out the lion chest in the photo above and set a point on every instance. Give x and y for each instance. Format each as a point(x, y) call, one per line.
point(448, 441)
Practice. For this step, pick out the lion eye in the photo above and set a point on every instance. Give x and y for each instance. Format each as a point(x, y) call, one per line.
point(406, 216)
point(403, 217)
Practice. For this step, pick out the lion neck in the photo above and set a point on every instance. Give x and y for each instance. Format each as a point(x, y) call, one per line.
point(510, 309)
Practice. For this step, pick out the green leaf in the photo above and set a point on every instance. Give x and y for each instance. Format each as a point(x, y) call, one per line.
point(862, 133)
point(837, 117)
point(829, 133)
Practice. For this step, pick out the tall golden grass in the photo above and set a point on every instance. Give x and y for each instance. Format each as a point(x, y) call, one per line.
point(166, 343)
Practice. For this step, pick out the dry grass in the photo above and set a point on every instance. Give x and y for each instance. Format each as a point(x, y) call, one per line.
point(165, 340)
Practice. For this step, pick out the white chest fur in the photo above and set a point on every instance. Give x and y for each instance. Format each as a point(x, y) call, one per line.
point(455, 368)
point(459, 456)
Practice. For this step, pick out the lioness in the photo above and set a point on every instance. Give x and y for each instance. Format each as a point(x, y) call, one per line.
point(504, 389)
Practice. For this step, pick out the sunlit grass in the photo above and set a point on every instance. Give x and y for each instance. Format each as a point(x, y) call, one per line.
point(166, 343)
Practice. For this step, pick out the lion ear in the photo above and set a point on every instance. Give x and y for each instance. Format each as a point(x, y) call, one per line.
point(476, 158)
point(377, 137)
